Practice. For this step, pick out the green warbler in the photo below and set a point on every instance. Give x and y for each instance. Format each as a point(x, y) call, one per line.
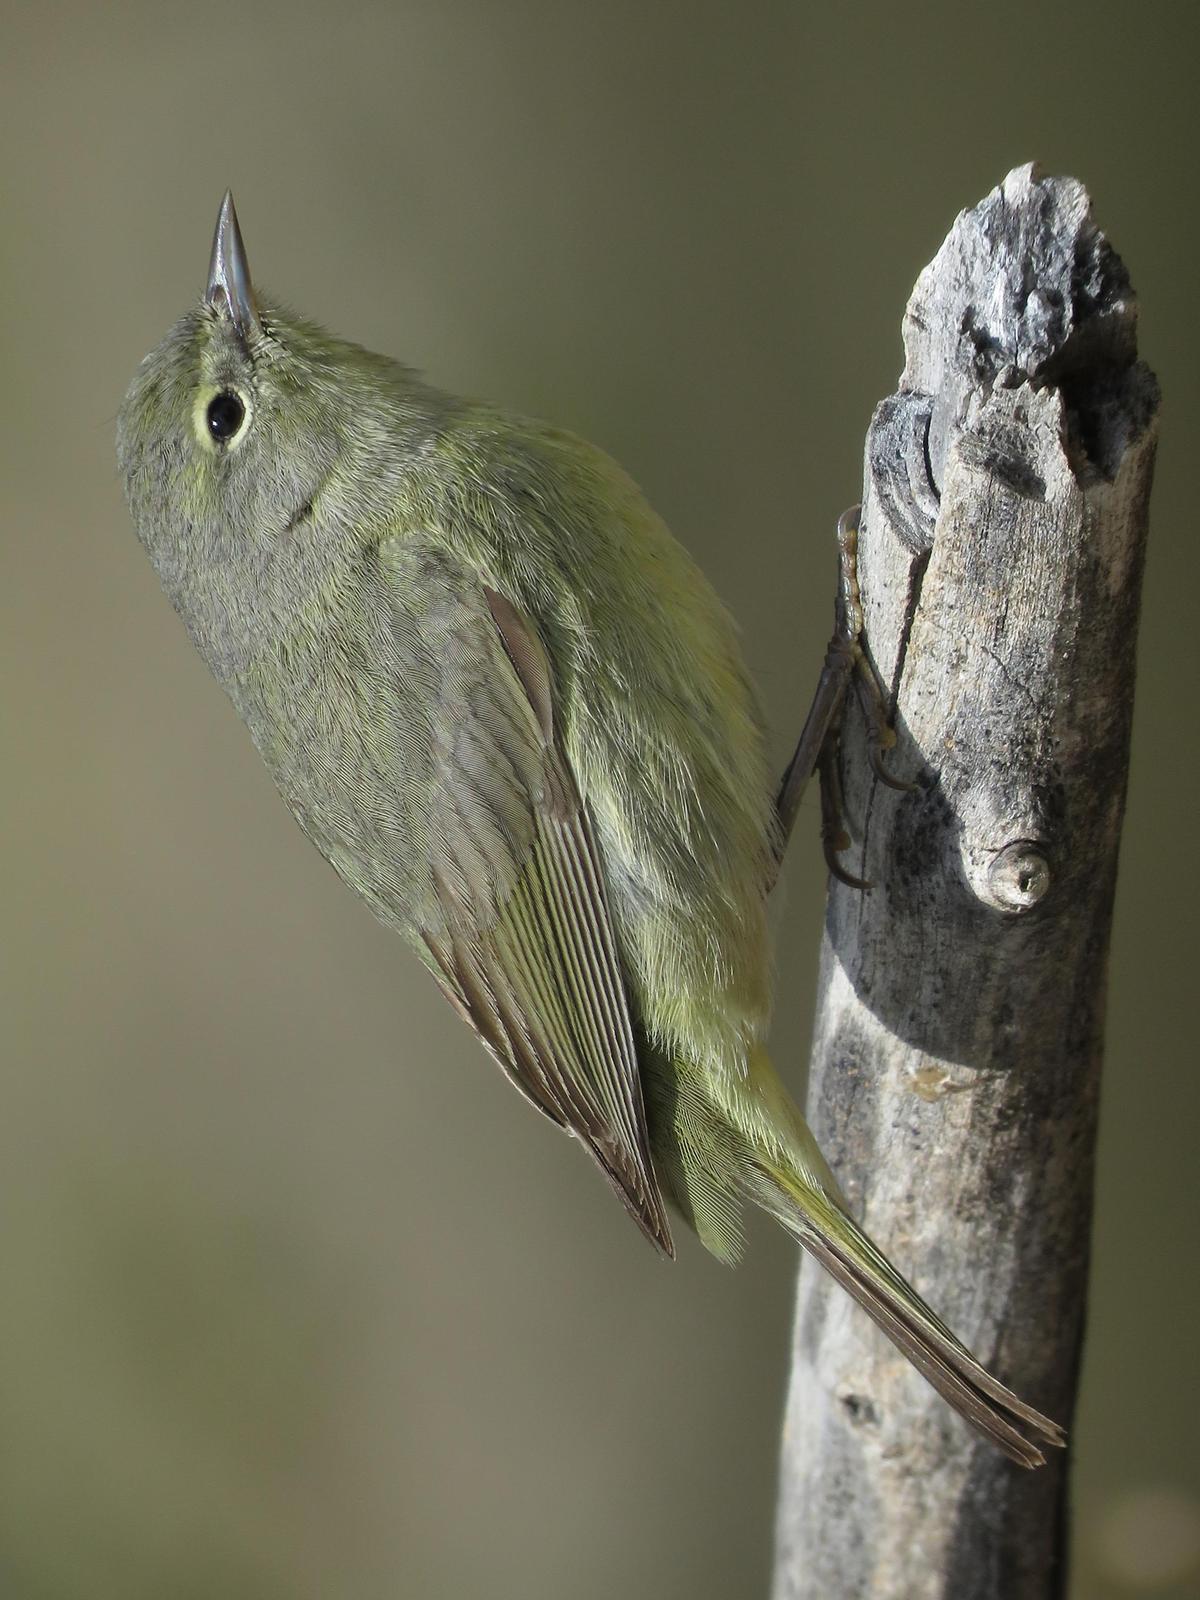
point(508, 709)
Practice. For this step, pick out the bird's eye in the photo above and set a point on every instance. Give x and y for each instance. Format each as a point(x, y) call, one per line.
point(225, 416)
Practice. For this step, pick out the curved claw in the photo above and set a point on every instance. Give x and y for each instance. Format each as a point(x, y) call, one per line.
point(875, 754)
point(842, 876)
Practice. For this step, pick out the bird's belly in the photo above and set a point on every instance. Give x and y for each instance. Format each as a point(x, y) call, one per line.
point(353, 778)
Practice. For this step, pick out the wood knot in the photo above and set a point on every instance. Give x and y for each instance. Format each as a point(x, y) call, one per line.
point(1016, 878)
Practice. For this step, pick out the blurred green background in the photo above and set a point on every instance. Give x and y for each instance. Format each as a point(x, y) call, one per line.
point(300, 1300)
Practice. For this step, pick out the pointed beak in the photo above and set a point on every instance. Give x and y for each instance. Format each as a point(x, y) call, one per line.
point(229, 288)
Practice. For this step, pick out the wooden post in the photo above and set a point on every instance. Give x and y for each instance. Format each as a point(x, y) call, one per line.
point(956, 1058)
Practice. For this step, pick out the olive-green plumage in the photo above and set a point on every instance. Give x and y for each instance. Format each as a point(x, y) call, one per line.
point(507, 707)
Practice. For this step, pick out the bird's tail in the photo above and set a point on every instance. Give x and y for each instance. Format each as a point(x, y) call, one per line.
point(768, 1154)
point(825, 1229)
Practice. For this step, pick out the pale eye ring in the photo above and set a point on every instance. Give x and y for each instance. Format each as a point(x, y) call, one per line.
point(225, 415)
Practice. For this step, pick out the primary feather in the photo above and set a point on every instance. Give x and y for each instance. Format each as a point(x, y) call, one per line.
point(507, 707)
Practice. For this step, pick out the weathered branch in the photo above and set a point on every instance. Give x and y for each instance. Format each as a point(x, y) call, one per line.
point(956, 1058)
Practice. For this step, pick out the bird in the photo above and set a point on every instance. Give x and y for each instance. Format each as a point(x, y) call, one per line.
point(506, 706)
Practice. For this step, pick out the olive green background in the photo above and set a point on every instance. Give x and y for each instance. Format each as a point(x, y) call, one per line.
point(299, 1298)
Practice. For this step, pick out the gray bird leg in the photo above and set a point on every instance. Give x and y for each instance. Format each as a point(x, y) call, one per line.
point(819, 746)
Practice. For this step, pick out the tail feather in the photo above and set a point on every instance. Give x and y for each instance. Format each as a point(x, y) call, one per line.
point(720, 1138)
point(829, 1234)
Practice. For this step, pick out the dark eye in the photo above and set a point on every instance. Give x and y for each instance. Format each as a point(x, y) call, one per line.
point(225, 415)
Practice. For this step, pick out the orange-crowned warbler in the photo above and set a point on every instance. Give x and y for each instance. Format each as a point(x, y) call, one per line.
point(508, 709)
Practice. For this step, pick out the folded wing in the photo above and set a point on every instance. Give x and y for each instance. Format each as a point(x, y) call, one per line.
point(521, 939)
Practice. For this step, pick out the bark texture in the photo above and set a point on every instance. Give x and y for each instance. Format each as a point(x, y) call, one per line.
point(956, 1059)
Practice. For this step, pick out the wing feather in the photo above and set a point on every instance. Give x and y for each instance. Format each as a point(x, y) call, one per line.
point(523, 941)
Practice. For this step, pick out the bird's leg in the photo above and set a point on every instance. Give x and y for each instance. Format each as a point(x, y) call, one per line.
point(818, 746)
point(881, 736)
point(835, 835)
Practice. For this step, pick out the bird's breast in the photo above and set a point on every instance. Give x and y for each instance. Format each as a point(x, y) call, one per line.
point(337, 717)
